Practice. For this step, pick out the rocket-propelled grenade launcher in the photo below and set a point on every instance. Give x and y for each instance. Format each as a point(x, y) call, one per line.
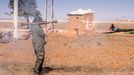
point(41, 23)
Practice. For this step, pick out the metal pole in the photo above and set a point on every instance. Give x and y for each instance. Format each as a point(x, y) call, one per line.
point(52, 10)
point(52, 15)
point(46, 8)
point(15, 30)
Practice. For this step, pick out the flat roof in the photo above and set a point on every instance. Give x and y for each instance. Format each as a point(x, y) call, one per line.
point(80, 12)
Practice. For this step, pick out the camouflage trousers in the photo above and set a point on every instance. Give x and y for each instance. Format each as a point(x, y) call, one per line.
point(39, 52)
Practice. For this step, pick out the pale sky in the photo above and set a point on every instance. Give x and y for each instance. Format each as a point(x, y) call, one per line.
point(104, 9)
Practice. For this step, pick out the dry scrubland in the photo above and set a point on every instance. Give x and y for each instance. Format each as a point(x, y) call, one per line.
point(89, 54)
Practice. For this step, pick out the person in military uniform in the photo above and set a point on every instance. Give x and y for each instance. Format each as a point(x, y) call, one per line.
point(38, 40)
point(115, 29)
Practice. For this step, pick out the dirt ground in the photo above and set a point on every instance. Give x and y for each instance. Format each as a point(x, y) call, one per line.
point(89, 54)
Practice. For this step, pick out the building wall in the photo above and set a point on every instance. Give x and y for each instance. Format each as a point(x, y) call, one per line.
point(75, 23)
point(81, 22)
point(89, 17)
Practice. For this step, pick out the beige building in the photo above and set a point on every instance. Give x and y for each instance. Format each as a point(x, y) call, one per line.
point(80, 21)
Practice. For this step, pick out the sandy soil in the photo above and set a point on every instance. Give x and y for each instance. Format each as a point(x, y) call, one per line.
point(89, 54)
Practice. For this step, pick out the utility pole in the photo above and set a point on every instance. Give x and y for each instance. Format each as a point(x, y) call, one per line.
point(46, 9)
point(52, 15)
point(49, 13)
point(15, 29)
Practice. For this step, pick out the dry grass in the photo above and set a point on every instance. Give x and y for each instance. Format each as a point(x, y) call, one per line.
point(89, 54)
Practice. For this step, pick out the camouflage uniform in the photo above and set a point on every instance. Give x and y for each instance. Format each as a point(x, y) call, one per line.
point(38, 41)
